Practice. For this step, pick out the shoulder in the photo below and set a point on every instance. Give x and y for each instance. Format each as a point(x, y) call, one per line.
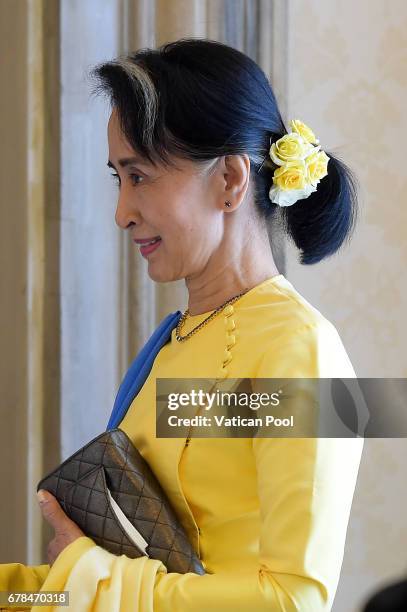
point(276, 310)
point(292, 337)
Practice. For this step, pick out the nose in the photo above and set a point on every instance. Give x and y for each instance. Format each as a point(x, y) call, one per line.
point(126, 210)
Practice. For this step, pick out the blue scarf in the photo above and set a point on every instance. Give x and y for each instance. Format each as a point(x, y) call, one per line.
point(140, 368)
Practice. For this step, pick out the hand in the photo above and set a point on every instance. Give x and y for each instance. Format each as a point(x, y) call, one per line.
point(66, 531)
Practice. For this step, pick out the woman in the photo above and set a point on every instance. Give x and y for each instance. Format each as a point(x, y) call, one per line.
point(189, 140)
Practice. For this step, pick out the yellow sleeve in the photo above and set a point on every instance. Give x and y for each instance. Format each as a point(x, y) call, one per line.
point(305, 490)
point(306, 485)
point(19, 577)
point(98, 580)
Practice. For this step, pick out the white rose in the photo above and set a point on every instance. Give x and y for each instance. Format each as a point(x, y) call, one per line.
point(284, 197)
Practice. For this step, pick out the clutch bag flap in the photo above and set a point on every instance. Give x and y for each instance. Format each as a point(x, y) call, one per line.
point(133, 534)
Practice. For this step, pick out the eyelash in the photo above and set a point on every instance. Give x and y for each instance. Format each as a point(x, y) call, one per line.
point(116, 176)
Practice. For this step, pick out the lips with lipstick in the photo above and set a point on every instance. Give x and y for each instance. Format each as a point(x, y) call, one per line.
point(148, 245)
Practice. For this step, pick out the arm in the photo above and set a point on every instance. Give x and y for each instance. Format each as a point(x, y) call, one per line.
point(305, 489)
point(305, 493)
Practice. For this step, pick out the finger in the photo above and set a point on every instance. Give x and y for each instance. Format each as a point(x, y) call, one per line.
point(52, 511)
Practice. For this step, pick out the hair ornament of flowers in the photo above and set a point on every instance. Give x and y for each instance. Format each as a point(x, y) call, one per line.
point(301, 164)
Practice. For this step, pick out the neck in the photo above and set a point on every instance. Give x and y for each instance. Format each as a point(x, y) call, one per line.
point(207, 296)
point(242, 260)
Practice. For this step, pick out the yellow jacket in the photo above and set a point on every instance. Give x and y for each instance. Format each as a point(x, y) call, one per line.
point(268, 516)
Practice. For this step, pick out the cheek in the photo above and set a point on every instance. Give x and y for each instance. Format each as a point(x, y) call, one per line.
point(182, 242)
point(183, 219)
point(181, 225)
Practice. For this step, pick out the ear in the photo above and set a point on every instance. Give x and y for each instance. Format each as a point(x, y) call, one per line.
point(236, 178)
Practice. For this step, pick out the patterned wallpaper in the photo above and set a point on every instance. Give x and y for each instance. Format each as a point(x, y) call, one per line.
point(347, 79)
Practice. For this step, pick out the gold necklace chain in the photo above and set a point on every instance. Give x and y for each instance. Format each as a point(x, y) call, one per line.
point(205, 321)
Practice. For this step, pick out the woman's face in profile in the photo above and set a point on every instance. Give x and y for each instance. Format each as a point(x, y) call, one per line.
point(182, 208)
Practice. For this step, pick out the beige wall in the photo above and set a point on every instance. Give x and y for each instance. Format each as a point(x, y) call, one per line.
point(13, 240)
point(347, 79)
point(29, 239)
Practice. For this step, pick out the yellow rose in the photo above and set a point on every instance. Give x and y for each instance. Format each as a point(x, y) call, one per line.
point(293, 175)
point(317, 165)
point(290, 147)
point(298, 127)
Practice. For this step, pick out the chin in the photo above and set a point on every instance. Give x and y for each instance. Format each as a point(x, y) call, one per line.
point(161, 276)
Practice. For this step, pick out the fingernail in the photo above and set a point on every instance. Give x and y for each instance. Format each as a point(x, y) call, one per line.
point(41, 496)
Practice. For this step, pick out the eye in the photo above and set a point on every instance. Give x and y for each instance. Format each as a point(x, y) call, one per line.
point(132, 176)
point(116, 179)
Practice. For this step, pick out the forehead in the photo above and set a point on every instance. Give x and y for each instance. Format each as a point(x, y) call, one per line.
point(120, 150)
point(119, 147)
point(113, 119)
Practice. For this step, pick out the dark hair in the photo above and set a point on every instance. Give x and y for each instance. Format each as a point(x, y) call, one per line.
point(199, 99)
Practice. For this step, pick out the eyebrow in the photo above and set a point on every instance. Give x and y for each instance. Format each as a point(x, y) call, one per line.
point(126, 161)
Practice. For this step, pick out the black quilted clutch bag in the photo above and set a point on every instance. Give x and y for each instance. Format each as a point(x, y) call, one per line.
point(108, 489)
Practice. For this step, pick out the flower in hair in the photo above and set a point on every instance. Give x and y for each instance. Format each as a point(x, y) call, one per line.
point(303, 130)
point(291, 147)
point(317, 166)
point(301, 165)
